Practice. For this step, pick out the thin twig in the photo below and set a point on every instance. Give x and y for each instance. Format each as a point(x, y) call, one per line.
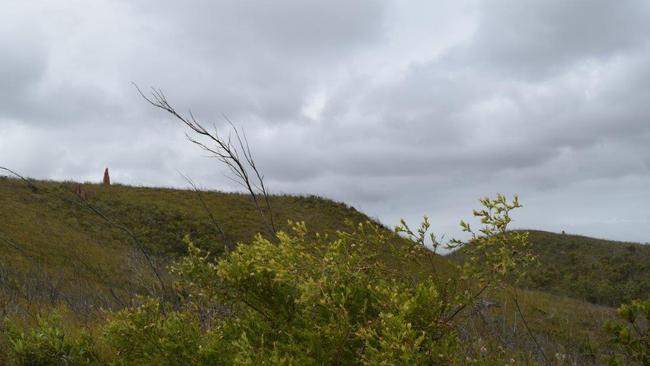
point(216, 225)
point(141, 247)
point(530, 333)
point(467, 303)
point(28, 181)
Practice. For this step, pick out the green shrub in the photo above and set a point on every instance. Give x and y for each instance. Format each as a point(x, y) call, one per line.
point(47, 344)
point(632, 337)
point(152, 334)
point(322, 301)
point(306, 299)
point(495, 254)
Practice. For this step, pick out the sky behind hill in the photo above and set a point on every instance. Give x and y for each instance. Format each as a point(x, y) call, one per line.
point(397, 108)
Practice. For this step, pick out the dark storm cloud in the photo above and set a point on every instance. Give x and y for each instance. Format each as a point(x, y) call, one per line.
point(399, 109)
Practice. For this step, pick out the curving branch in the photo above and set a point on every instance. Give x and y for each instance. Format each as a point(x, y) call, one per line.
point(140, 246)
point(27, 181)
point(229, 244)
point(235, 154)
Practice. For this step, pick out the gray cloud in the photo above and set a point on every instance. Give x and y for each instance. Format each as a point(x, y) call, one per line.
point(540, 38)
point(399, 109)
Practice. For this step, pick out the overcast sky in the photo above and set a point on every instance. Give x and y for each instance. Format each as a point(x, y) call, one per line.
point(399, 108)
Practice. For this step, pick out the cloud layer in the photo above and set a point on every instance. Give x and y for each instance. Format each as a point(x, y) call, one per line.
point(399, 109)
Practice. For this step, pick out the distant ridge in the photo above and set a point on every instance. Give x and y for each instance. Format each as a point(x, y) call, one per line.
point(600, 271)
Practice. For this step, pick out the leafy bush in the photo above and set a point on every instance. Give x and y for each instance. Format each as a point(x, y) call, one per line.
point(495, 254)
point(633, 336)
point(302, 301)
point(320, 300)
point(47, 344)
point(153, 334)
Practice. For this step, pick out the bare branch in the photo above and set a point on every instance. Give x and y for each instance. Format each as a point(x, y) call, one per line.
point(218, 227)
point(235, 155)
point(530, 333)
point(139, 245)
point(29, 182)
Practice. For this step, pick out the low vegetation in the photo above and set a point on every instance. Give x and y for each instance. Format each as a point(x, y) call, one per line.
point(324, 290)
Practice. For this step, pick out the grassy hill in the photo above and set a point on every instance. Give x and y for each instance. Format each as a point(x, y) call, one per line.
point(56, 248)
point(600, 271)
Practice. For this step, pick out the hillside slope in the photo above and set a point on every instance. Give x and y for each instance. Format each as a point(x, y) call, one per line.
point(54, 248)
point(600, 271)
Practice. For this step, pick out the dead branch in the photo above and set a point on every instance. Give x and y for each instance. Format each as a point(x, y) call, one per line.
point(236, 156)
point(218, 228)
point(139, 245)
point(29, 182)
point(530, 332)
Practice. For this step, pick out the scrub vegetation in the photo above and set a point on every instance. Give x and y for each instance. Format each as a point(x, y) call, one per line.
point(333, 287)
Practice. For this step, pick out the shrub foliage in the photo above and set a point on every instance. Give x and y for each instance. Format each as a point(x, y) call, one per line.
point(357, 297)
point(313, 299)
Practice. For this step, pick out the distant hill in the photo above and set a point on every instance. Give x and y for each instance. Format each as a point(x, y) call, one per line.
point(599, 271)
